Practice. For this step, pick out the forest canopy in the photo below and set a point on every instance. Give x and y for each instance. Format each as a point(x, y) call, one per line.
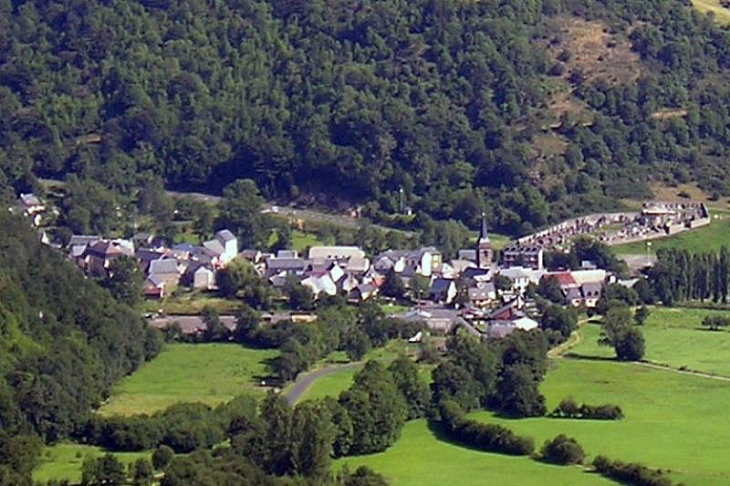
point(454, 102)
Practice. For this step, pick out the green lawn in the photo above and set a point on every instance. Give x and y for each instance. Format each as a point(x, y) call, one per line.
point(420, 459)
point(707, 238)
point(63, 461)
point(192, 302)
point(674, 337)
point(300, 241)
point(208, 373)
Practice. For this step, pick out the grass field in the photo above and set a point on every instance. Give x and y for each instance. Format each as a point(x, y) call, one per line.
point(192, 302)
point(420, 459)
point(708, 238)
point(208, 373)
point(675, 337)
point(673, 421)
point(64, 461)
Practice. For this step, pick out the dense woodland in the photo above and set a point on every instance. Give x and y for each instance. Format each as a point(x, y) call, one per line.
point(64, 342)
point(444, 100)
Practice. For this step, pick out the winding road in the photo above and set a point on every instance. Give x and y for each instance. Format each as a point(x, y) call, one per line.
point(303, 382)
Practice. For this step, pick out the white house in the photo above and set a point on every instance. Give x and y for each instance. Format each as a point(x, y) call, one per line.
point(203, 278)
point(230, 245)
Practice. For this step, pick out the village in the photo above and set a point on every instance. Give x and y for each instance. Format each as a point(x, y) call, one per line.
point(485, 290)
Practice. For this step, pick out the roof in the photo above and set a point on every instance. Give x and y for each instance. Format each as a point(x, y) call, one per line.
point(30, 200)
point(336, 252)
point(225, 235)
point(565, 279)
point(203, 268)
point(482, 292)
point(146, 255)
point(441, 285)
point(214, 246)
point(513, 273)
point(156, 280)
point(77, 240)
point(184, 247)
point(474, 272)
point(104, 249)
point(161, 267)
point(285, 264)
point(470, 255)
point(573, 293)
point(589, 276)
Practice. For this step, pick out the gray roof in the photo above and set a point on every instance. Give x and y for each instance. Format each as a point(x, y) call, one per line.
point(470, 255)
point(214, 246)
point(573, 293)
point(225, 235)
point(161, 267)
point(285, 264)
point(78, 240)
point(155, 280)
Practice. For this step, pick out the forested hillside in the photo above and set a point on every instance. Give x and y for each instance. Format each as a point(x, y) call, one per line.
point(63, 342)
point(466, 106)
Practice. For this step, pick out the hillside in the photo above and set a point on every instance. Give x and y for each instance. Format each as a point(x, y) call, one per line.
point(529, 111)
point(63, 343)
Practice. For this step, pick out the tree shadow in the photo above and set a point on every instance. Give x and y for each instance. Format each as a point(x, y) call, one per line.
point(587, 357)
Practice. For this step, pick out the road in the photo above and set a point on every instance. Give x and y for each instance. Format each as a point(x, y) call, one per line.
point(303, 382)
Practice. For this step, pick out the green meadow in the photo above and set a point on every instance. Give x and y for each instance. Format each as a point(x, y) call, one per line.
point(208, 373)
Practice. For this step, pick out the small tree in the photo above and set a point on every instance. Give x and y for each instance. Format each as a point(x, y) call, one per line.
point(162, 456)
point(715, 323)
point(562, 450)
point(142, 472)
point(641, 315)
point(627, 341)
point(392, 285)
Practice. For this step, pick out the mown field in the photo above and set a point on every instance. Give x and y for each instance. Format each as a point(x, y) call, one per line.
point(713, 6)
point(707, 238)
point(208, 373)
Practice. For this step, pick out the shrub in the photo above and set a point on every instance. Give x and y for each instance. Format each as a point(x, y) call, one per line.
point(562, 450)
point(632, 474)
point(568, 408)
point(162, 456)
point(485, 437)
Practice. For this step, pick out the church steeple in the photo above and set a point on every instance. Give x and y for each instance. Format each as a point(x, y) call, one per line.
point(484, 251)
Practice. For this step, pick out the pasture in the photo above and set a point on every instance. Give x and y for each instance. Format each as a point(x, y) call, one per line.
point(208, 373)
point(722, 14)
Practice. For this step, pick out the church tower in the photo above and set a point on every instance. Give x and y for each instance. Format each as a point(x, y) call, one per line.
point(485, 253)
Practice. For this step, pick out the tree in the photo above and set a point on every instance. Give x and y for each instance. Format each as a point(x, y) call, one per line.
point(562, 450)
point(420, 286)
point(104, 470)
point(214, 331)
point(125, 281)
point(300, 297)
point(247, 323)
point(627, 341)
point(392, 285)
point(357, 344)
point(240, 212)
point(562, 320)
point(641, 314)
point(311, 440)
point(239, 279)
point(142, 472)
point(376, 408)
point(454, 382)
point(518, 394)
point(162, 456)
point(277, 417)
point(412, 387)
point(550, 289)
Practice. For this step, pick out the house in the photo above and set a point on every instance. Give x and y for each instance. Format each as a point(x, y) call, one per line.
point(482, 294)
point(363, 292)
point(203, 278)
point(574, 296)
point(320, 284)
point(591, 292)
point(523, 256)
point(154, 287)
point(424, 261)
point(165, 270)
point(31, 204)
point(77, 247)
point(284, 266)
point(145, 256)
point(253, 256)
point(502, 328)
point(229, 242)
point(443, 290)
point(99, 256)
point(520, 278)
point(468, 255)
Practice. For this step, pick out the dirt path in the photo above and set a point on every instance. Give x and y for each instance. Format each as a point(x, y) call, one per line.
point(656, 366)
point(303, 382)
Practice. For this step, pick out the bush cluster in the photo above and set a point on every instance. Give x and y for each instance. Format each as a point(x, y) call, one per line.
point(570, 409)
point(486, 437)
point(562, 450)
point(632, 474)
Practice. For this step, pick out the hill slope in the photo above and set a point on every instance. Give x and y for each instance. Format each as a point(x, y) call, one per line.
point(530, 110)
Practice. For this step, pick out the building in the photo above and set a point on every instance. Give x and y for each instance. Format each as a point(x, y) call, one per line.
point(424, 261)
point(443, 290)
point(523, 256)
point(484, 251)
point(335, 253)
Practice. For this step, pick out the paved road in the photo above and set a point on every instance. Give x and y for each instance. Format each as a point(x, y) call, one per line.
point(303, 382)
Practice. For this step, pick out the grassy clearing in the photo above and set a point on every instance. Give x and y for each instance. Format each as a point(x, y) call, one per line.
point(419, 458)
point(707, 238)
point(208, 373)
point(300, 241)
point(675, 337)
point(64, 461)
point(722, 14)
